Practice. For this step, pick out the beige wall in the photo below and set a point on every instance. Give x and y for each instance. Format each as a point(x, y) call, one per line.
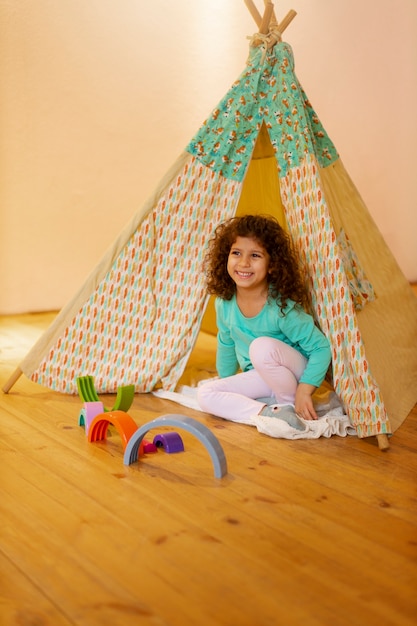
point(100, 96)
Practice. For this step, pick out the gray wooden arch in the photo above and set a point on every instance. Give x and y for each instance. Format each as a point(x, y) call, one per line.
point(189, 424)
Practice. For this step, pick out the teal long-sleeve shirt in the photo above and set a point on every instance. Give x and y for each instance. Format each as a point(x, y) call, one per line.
point(293, 326)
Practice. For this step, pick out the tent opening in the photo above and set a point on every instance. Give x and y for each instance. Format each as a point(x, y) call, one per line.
point(260, 194)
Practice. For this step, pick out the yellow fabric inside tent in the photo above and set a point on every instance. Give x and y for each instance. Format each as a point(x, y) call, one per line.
point(260, 195)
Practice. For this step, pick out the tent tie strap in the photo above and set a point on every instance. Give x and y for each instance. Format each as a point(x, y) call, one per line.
point(266, 42)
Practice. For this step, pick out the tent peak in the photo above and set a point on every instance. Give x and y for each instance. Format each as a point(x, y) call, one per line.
point(269, 29)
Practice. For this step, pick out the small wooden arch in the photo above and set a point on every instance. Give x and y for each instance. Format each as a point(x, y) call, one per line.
point(123, 423)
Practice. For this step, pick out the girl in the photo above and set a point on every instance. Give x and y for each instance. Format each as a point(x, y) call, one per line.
point(263, 330)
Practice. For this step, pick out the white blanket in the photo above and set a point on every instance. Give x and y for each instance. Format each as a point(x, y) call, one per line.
point(334, 422)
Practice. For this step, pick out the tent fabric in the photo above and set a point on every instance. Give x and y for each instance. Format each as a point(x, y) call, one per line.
point(136, 319)
point(142, 318)
point(388, 324)
point(313, 233)
point(267, 92)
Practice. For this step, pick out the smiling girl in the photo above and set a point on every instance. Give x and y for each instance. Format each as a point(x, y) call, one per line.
point(270, 354)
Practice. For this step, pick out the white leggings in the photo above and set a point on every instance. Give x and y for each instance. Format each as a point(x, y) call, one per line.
point(277, 368)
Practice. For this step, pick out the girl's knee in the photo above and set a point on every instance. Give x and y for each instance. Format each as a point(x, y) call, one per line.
point(260, 347)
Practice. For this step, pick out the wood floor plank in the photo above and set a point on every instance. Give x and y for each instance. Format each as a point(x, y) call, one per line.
point(22, 602)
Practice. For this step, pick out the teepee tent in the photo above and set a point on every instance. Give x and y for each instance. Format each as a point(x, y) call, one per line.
point(263, 148)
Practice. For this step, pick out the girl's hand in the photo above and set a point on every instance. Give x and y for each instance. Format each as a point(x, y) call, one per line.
point(304, 402)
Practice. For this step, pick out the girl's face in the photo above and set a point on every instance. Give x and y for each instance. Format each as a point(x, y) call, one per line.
point(248, 264)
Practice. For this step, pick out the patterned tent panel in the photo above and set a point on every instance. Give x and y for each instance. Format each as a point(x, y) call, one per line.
point(267, 91)
point(310, 225)
point(140, 323)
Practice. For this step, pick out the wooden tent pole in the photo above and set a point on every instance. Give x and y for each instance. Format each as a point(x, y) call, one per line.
point(264, 28)
point(254, 12)
point(13, 378)
point(286, 21)
point(272, 18)
point(273, 21)
point(383, 443)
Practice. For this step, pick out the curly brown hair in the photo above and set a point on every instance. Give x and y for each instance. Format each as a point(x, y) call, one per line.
point(285, 275)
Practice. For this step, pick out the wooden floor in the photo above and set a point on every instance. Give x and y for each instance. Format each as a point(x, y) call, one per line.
point(318, 532)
